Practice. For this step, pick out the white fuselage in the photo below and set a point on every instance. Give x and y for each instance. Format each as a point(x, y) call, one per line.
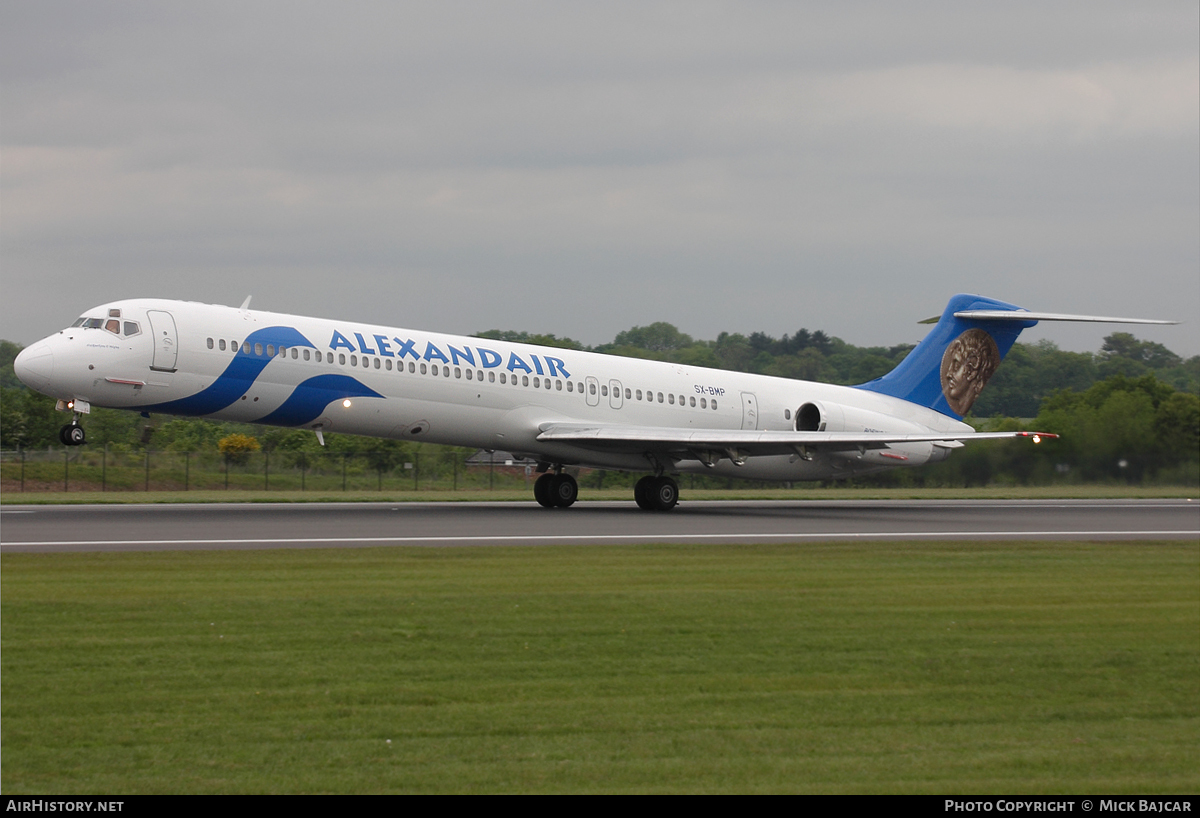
point(189, 358)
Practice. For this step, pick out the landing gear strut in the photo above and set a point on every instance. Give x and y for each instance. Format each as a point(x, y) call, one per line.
point(659, 493)
point(72, 435)
point(555, 490)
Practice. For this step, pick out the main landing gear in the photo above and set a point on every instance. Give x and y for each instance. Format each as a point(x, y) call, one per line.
point(555, 490)
point(652, 493)
point(659, 493)
point(72, 434)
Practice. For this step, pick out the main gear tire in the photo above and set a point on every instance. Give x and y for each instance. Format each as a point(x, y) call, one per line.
point(664, 494)
point(564, 490)
point(641, 493)
point(543, 490)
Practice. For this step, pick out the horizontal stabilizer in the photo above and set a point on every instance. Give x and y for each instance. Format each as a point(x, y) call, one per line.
point(1025, 315)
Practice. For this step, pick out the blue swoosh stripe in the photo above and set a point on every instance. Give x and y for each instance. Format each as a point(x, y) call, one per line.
point(237, 378)
point(311, 397)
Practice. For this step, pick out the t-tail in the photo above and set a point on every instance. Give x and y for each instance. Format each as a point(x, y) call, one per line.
point(950, 367)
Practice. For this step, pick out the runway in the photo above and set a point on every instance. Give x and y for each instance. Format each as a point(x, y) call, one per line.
point(166, 527)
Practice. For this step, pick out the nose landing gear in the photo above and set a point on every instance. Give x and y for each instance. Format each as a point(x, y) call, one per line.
point(72, 434)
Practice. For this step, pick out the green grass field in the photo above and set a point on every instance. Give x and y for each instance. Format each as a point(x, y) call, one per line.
point(938, 667)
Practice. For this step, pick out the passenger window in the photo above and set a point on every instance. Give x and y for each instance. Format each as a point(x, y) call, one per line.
point(458, 372)
point(220, 343)
point(627, 393)
point(639, 394)
point(592, 388)
point(446, 371)
point(714, 405)
point(412, 367)
point(491, 377)
point(470, 374)
point(570, 386)
point(353, 360)
point(306, 355)
point(660, 397)
point(389, 364)
point(210, 343)
point(787, 414)
point(703, 403)
point(423, 369)
point(503, 378)
point(341, 358)
point(524, 380)
point(376, 360)
point(537, 383)
point(671, 399)
point(245, 347)
point(558, 385)
point(270, 350)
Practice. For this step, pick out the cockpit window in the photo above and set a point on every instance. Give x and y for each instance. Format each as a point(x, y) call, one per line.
point(132, 328)
point(93, 323)
point(113, 326)
point(79, 322)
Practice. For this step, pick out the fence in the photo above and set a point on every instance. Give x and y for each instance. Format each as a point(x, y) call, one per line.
point(99, 469)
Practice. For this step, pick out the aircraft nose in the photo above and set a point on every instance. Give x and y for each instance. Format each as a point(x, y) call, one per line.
point(34, 365)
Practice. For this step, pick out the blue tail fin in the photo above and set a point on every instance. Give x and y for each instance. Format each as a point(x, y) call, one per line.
point(950, 367)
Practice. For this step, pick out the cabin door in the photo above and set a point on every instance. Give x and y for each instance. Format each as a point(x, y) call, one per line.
point(614, 395)
point(166, 341)
point(749, 411)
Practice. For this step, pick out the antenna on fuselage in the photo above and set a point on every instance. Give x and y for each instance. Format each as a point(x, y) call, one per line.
point(246, 303)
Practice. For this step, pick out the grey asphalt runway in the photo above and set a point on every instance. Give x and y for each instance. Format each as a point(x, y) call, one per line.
point(328, 525)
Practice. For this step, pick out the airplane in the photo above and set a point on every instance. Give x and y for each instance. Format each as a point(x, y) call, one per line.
point(561, 408)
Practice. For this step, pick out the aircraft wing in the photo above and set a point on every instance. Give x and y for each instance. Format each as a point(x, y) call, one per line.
point(697, 443)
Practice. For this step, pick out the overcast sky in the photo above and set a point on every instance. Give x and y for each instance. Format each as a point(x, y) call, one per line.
point(581, 168)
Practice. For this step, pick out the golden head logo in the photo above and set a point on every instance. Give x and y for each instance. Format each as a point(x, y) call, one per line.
point(967, 365)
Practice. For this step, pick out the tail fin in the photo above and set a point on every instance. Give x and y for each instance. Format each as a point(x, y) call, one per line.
point(950, 367)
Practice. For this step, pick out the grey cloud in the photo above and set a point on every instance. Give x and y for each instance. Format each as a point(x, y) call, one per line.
point(582, 169)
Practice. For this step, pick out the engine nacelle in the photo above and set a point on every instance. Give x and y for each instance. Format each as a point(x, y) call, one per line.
point(821, 416)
